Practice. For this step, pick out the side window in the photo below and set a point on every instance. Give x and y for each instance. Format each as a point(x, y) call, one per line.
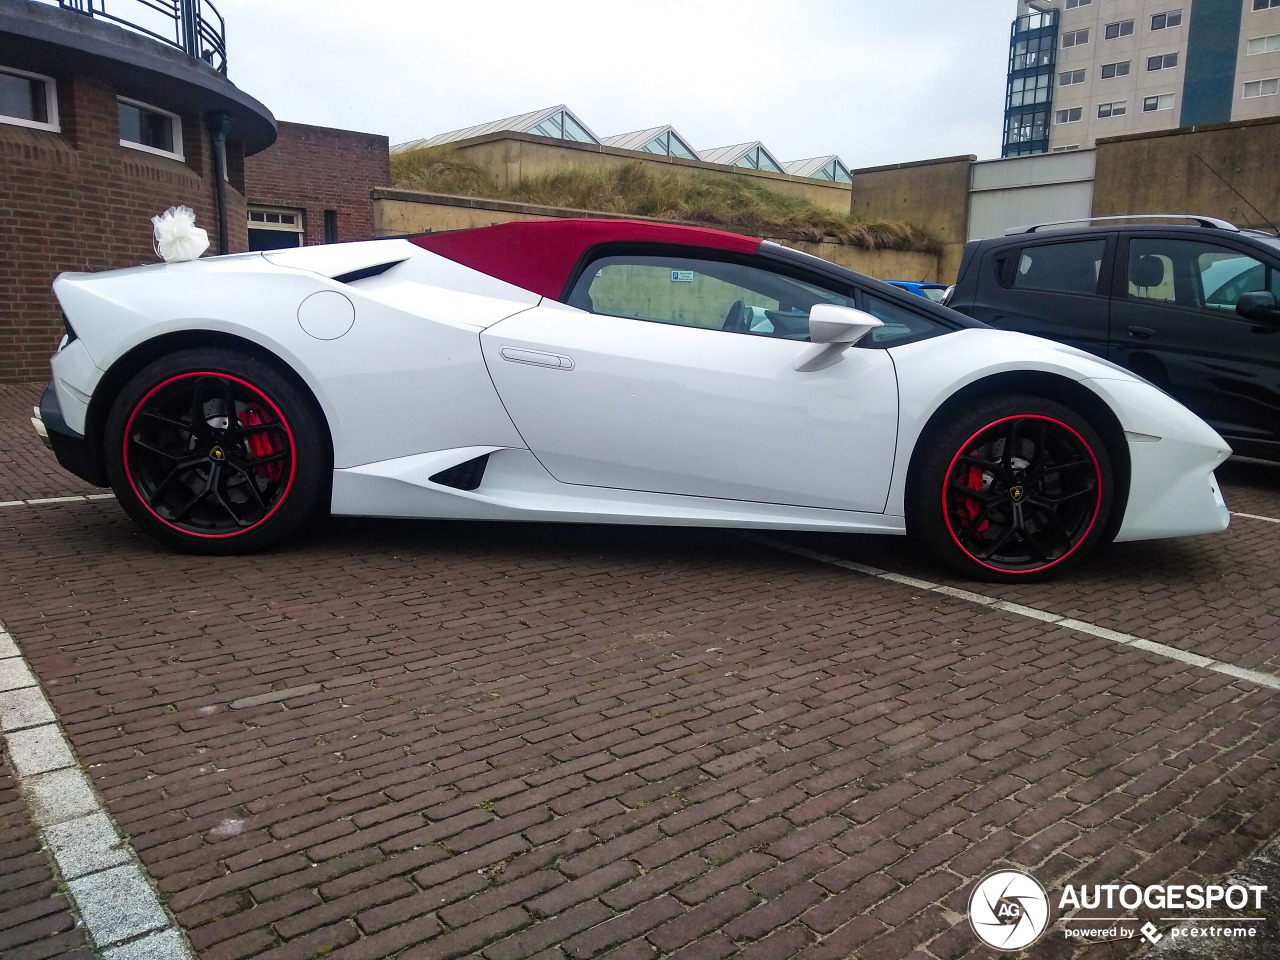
point(1192, 273)
point(900, 324)
point(1070, 267)
point(693, 292)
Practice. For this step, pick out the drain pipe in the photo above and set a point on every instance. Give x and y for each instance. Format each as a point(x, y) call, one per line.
point(219, 124)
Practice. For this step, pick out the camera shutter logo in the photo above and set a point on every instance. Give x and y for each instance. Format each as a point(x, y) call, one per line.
point(1008, 910)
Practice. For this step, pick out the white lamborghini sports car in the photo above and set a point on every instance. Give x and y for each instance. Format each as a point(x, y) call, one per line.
point(605, 371)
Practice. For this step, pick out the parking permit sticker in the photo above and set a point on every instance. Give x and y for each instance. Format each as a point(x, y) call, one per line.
point(682, 276)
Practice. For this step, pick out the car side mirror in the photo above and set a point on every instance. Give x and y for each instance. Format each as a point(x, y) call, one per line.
point(833, 330)
point(1260, 307)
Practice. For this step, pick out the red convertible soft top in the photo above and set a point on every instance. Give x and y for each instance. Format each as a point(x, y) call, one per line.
point(539, 255)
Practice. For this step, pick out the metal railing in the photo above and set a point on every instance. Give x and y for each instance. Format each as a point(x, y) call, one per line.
point(193, 26)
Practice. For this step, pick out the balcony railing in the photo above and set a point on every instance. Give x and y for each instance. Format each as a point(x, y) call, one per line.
point(193, 26)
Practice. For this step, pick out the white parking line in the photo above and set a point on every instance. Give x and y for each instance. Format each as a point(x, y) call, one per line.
point(1080, 626)
point(119, 908)
point(41, 501)
point(1254, 516)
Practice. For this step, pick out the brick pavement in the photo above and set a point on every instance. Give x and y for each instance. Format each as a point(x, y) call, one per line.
point(435, 740)
point(1218, 596)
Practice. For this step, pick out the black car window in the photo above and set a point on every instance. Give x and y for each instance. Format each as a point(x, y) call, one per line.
point(1192, 273)
point(1070, 267)
point(692, 292)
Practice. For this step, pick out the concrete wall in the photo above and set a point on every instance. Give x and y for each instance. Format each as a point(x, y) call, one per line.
point(510, 157)
point(1183, 171)
point(398, 212)
point(930, 194)
point(1041, 188)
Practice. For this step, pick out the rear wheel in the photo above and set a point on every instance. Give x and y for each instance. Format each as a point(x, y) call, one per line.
point(1011, 490)
point(212, 451)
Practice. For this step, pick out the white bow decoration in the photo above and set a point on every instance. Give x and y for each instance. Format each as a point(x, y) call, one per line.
point(177, 237)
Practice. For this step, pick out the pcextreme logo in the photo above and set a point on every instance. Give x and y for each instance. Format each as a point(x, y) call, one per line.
point(1009, 910)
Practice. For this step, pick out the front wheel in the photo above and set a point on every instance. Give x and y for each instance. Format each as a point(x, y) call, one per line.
point(1011, 490)
point(212, 451)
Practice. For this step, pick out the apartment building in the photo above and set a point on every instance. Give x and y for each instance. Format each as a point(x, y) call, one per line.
point(1084, 69)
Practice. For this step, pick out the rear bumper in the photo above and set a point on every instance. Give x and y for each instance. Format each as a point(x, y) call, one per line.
point(72, 450)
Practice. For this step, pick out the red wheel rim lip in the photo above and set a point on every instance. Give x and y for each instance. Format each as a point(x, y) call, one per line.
point(1097, 503)
point(293, 455)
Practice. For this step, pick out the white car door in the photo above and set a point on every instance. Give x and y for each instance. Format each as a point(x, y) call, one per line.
point(669, 405)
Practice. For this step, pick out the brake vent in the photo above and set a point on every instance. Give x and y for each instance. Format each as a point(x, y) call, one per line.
point(464, 476)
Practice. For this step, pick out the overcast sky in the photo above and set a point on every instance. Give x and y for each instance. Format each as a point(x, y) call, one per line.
point(876, 81)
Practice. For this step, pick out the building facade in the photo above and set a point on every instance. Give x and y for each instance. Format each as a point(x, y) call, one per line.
point(101, 128)
point(1084, 69)
point(313, 185)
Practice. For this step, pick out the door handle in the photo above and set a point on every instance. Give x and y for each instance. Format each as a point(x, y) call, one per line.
point(1142, 333)
point(537, 358)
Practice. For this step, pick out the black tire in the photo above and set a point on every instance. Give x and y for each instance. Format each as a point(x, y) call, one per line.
point(202, 481)
point(1011, 489)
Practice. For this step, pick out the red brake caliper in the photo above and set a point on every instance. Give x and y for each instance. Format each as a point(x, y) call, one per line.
point(970, 507)
point(263, 444)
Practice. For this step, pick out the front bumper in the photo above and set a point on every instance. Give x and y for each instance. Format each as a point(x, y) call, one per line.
point(72, 450)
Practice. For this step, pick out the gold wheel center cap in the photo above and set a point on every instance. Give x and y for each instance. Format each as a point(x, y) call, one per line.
point(217, 453)
point(1016, 493)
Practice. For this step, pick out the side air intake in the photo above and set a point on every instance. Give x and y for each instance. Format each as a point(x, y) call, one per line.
point(464, 476)
point(366, 272)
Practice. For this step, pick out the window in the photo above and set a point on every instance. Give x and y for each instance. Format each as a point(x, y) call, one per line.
point(331, 226)
point(1075, 38)
point(1116, 108)
point(1070, 115)
point(1163, 102)
point(1026, 127)
point(1118, 69)
point(1028, 90)
point(28, 100)
point(1262, 88)
point(1035, 52)
point(1171, 19)
point(1263, 45)
point(1122, 28)
point(1165, 61)
point(143, 127)
point(1192, 273)
point(900, 324)
point(271, 228)
point(1072, 4)
point(1068, 77)
point(1070, 267)
point(691, 292)
point(1264, 4)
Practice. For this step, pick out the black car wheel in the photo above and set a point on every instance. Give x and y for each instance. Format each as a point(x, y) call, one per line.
point(1011, 490)
point(211, 451)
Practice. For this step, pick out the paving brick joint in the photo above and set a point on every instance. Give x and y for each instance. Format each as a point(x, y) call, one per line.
point(446, 739)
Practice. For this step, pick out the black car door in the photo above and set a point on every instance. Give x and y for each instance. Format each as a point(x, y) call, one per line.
point(1049, 287)
point(1174, 323)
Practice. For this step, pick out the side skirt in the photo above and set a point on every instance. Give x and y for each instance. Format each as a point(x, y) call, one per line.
point(517, 487)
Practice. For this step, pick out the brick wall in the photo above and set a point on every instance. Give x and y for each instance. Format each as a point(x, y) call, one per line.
point(315, 169)
point(78, 200)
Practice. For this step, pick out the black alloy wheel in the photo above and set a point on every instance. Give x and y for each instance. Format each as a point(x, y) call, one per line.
point(216, 457)
point(1019, 488)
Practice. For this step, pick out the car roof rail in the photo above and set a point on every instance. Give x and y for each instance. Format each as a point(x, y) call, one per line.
point(1212, 223)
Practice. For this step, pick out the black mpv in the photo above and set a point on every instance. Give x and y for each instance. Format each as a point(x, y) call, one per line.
point(1190, 307)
